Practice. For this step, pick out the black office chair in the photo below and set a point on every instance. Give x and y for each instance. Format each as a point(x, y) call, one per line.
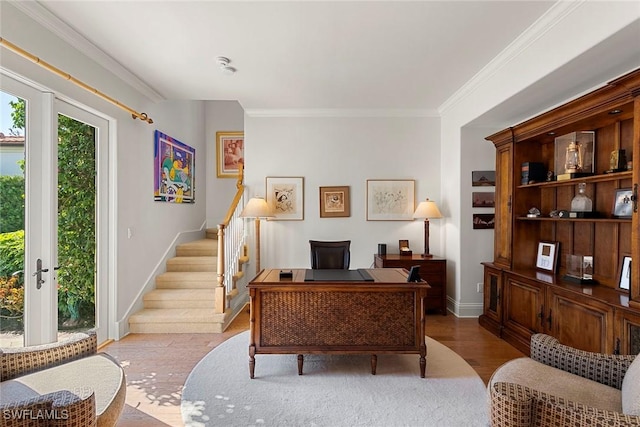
point(326, 255)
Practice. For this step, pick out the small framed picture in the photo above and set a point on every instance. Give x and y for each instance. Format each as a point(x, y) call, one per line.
point(547, 258)
point(484, 221)
point(285, 195)
point(390, 199)
point(334, 202)
point(229, 153)
point(624, 272)
point(484, 199)
point(623, 203)
point(483, 178)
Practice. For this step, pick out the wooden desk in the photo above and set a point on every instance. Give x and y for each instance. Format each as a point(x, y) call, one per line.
point(432, 270)
point(291, 316)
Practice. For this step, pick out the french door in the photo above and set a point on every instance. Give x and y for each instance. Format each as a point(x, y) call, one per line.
point(65, 265)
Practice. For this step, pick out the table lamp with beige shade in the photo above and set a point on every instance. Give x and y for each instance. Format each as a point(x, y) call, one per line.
point(257, 208)
point(427, 210)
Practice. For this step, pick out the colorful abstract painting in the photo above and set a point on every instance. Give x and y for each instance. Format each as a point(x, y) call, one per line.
point(174, 170)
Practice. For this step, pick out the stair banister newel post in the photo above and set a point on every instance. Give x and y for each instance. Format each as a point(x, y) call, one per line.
point(220, 293)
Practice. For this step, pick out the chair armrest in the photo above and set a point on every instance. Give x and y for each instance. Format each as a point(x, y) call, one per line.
point(608, 369)
point(514, 405)
point(60, 409)
point(24, 360)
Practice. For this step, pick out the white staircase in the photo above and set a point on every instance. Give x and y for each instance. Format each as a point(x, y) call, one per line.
point(184, 297)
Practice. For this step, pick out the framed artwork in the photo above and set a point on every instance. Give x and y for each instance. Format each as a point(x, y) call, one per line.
point(622, 203)
point(285, 195)
point(390, 199)
point(547, 258)
point(483, 178)
point(624, 272)
point(484, 221)
point(229, 153)
point(174, 166)
point(484, 200)
point(334, 202)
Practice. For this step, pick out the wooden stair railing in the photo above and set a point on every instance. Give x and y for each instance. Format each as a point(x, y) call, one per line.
point(230, 246)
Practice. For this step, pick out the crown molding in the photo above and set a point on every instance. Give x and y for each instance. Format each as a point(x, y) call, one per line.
point(340, 112)
point(552, 17)
point(42, 16)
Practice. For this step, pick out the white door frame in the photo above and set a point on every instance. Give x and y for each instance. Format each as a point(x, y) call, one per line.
point(42, 109)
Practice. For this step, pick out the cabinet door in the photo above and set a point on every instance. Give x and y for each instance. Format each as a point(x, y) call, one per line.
point(503, 219)
point(492, 294)
point(627, 332)
point(523, 308)
point(580, 322)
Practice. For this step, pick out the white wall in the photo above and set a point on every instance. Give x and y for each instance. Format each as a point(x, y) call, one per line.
point(335, 152)
point(154, 225)
point(220, 116)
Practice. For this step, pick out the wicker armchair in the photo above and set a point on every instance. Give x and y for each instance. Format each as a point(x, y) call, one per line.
point(61, 384)
point(560, 386)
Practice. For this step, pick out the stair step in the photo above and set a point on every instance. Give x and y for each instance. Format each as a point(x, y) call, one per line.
point(212, 233)
point(187, 280)
point(192, 263)
point(176, 320)
point(203, 247)
point(180, 298)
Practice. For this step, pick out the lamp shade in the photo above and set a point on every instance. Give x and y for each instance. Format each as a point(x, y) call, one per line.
point(257, 208)
point(427, 209)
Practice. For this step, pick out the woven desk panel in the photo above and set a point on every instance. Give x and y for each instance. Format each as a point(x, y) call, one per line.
point(338, 318)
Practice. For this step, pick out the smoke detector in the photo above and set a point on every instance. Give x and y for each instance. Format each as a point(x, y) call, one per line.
point(223, 63)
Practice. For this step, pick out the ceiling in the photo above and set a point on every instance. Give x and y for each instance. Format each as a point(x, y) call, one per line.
point(401, 55)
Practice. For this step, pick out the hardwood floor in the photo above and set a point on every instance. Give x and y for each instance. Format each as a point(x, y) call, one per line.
point(157, 365)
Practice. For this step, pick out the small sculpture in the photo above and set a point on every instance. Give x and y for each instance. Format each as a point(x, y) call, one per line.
point(533, 212)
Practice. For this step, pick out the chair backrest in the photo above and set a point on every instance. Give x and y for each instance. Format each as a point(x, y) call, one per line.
point(325, 255)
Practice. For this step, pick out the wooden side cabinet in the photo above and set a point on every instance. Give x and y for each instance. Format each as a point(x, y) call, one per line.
point(432, 270)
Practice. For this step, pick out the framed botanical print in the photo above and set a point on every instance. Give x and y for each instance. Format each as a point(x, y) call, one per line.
point(390, 199)
point(229, 153)
point(334, 202)
point(285, 195)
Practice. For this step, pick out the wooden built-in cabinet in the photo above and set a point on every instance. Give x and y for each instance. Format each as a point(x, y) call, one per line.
point(520, 300)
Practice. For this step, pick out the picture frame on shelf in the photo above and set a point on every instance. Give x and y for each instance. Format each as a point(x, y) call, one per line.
point(390, 199)
point(285, 195)
point(229, 153)
point(547, 255)
point(334, 202)
point(624, 272)
point(623, 203)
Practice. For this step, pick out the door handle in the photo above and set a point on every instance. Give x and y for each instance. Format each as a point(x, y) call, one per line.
point(38, 273)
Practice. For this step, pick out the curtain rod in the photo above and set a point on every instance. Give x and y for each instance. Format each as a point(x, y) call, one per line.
point(12, 47)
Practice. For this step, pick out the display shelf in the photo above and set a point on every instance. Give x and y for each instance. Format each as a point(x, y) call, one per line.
point(545, 218)
point(588, 179)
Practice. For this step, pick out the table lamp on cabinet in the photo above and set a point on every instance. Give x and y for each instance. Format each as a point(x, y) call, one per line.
point(257, 208)
point(427, 210)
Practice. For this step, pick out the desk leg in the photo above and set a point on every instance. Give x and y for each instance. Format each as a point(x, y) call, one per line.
point(300, 362)
point(252, 360)
point(374, 363)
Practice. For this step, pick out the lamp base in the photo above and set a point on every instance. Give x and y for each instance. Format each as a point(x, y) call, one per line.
point(427, 255)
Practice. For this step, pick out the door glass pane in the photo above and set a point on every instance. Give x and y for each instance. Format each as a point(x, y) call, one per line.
point(76, 225)
point(12, 226)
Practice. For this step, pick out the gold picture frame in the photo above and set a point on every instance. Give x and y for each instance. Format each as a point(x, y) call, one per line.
point(229, 153)
point(335, 202)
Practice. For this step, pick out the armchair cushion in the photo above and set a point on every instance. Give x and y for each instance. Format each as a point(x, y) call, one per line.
point(631, 389)
point(564, 385)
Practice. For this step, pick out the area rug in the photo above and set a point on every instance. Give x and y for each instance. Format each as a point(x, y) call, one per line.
point(334, 390)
